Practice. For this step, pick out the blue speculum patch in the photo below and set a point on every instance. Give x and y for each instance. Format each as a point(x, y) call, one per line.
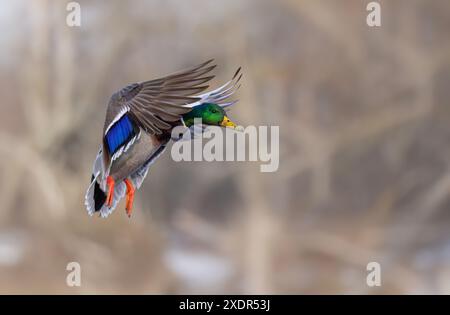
point(119, 133)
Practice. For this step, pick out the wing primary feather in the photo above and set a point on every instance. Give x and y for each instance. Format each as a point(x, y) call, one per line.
point(154, 104)
point(228, 104)
point(194, 82)
point(185, 73)
point(236, 73)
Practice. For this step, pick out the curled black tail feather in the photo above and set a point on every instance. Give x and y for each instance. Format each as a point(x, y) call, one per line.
point(99, 195)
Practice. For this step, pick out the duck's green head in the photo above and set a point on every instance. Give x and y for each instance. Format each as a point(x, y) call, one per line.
point(210, 113)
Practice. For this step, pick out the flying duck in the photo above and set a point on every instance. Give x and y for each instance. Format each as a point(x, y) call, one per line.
point(138, 125)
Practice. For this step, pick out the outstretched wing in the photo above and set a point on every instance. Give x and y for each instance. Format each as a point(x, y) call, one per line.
point(154, 104)
point(220, 95)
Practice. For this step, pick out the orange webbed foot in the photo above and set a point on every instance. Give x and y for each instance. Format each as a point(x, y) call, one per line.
point(110, 183)
point(130, 197)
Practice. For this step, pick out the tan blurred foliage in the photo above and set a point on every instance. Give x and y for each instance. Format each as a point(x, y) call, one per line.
point(364, 164)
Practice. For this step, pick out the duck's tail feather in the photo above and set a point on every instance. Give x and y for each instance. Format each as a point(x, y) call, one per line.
point(95, 197)
point(119, 192)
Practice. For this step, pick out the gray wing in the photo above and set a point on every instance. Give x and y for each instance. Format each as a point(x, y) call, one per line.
point(221, 95)
point(156, 104)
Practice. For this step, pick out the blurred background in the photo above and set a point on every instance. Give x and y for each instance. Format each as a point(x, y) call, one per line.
point(364, 148)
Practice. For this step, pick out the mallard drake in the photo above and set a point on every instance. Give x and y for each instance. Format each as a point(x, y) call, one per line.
point(138, 125)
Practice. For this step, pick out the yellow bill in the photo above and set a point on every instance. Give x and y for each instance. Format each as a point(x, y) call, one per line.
point(226, 122)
